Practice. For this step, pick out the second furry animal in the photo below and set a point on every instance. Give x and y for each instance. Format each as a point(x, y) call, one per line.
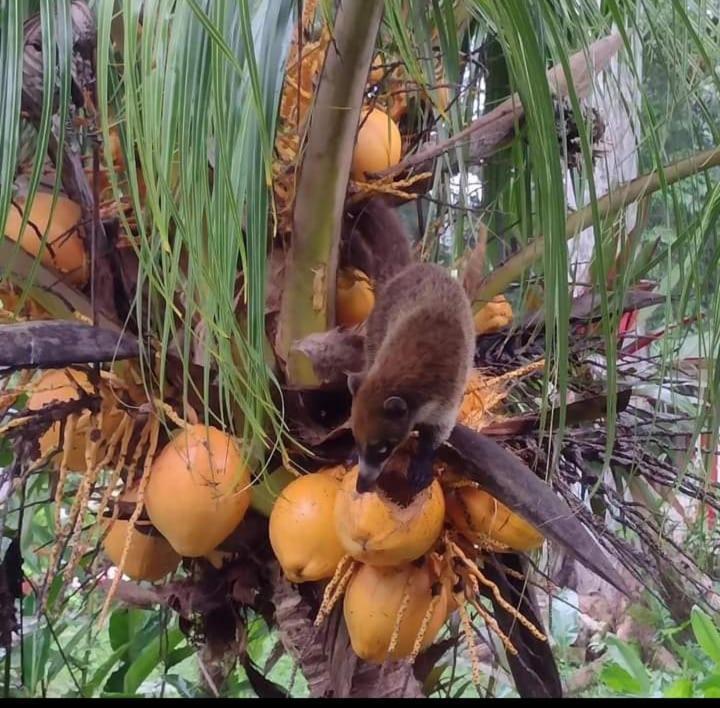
point(419, 348)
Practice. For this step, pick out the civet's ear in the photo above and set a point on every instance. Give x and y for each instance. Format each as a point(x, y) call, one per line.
point(395, 407)
point(354, 382)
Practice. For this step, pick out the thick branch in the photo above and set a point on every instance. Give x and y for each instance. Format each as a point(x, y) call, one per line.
point(611, 203)
point(59, 343)
point(308, 297)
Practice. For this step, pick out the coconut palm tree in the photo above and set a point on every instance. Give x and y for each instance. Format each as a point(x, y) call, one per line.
point(200, 199)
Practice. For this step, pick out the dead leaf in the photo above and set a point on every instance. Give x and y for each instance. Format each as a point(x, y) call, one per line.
point(394, 679)
point(11, 576)
point(295, 627)
point(534, 669)
point(263, 687)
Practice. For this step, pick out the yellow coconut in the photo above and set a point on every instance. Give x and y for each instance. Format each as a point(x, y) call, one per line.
point(198, 490)
point(64, 249)
point(302, 527)
point(479, 517)
point(493, 316)
point(354, 297)
point(150, 556)
point(373, 606)
point(374, 529)
point(62, 385)
point(378, 144)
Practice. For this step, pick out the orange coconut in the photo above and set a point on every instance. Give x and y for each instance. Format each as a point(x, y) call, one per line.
point(378, 145)
point(354, 297)
point(479, 517)
point(493, 316)
point(64, 248)
point(302, 527)
point(198, 490)
point(63, 385)
point(373, 602)
point(150, 556)
point(374, 529)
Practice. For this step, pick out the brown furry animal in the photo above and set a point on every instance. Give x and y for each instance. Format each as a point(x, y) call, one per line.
point(419, 348)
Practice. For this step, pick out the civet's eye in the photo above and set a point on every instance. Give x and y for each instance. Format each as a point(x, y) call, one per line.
point(382, 450)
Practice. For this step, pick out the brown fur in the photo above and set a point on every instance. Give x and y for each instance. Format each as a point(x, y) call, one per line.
point(375, 241)
point(419, 347)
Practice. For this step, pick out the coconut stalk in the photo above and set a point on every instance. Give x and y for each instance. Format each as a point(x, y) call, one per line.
point(308, 300)
point(623, 195)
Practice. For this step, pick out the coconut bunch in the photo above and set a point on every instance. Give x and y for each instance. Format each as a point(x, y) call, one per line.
point(186, 498)
point(87, 429)
point(97, 431)
point(401, 562)
point(158, 489)
point(380, 143)
point(195, 493)
point(152, 493)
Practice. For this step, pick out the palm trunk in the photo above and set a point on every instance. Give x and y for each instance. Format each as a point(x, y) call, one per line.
point(309, 293)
